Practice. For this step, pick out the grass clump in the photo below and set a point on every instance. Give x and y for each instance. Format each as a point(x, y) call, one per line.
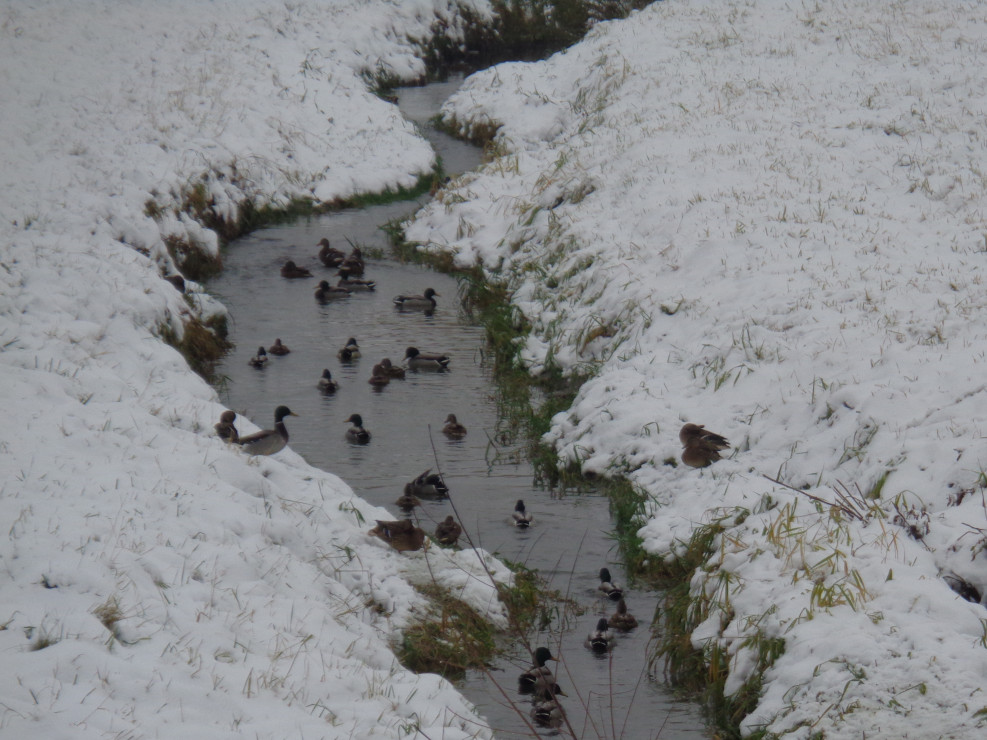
point(202, 344)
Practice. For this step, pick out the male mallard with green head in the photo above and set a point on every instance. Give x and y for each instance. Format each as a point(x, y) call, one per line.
point(539, 675)
point(548, 712)
point(701, 447)
point(260, 359)
point(356, 434)
point(520, 516)
point(428, 485)
point(402, 535)
point(326, 292)
point(424, 302)
point(346, 280)
point(326, 384)
point(600, 640)
point(269, 441)
point(611, 590)
point(350, 351)
point(417, 360)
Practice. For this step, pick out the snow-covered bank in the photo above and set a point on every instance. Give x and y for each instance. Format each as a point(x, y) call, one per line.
point(768, 217)
point(154, 581)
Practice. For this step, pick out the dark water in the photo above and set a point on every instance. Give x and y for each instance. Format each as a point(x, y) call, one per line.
point(609, 697)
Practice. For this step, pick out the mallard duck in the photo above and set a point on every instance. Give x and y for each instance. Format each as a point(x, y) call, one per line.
point(548, 712)
point(260, 359)
point(346, 280)
point(353, 263)
point(453, 429)
point(428, 485)
point(608, 587)
point(539, 675)
point(701, 447)
point(392, 371)
point(225, 428)
point(378, 377)
point(419, 361)
point(621, 619)
point(328, 255)
point(326, 292)
point(407, 502)
point(447, 532)
point(600, 640)
point(350, 352)
point(522, 519)
point(269, 441)
point(402, 535)
point(419, 302)
point(291, 270)
point(277, 348)
point(326, 384)
point(356, 434)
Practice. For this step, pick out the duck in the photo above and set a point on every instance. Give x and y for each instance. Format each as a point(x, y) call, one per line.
point(353, 283)
point(426, 301)
point(428, 485)
point(378, 378)
point(700, 447)
point(351, 351)
point(548, 712)
point(402, 535)
point(260, 359)
point(277, 348)
point(356, 434)
point(225, 428)
point(522, 519)
point(291, 270)
point(453, 429)
point(326, 384)
point(600, 640)
point(418, 361)
point(354, 263)
point(608, 587)
point(326, 292)
point(269, 441)
point(329, 255)
point(621, 619)
point(392, 371)
point(407, 502)
point(447, 532)
point(539, 675)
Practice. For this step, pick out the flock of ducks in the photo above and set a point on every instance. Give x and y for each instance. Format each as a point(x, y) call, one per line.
point(402, 535)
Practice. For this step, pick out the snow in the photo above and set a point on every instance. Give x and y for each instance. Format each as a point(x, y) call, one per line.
point(153, 580)
point(767, 217)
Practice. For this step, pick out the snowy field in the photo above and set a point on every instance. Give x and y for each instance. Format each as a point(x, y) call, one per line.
point(769, 217)
point(153, 581)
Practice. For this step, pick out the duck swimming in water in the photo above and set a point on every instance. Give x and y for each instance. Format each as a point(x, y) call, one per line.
point(417, 360)
point(356, 434)
point(539, 675)
point(277, 348)
point(548, 712)
point(269, 441)
point(453, 429)
point(608, 587)
point(600, 640)
point(378, 378)
point(621, 619)
point(326, 384)
point(329, 255)
point(291, 270)
point(326, 292)
point(346, 280)
point(700, 447)
point(260, 359)
point(428, 485)
point(424, 302)
point(392, 371)
point(350, 351)
point(522, 519)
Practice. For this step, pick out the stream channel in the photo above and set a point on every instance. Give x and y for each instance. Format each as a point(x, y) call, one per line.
point(609, 696)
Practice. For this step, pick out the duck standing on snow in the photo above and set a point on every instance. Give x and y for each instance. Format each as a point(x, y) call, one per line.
point(347, 281)
point(277, 348)
point(428, 485)
point(350, 352)
point(419, 361)
point(326, 292)
point(621, 619)
point(447, 532)
point(453, 429)
point(539, 677)
point(328, 255)
point(600, 640)
point(291, 270)
point(700, 447)
point(522, 519)
point(392, 371)
point(225, 428)
point(417, 302)
point(608, 587)
point(260, 359)
point(402, 535)
point(326, 384)
point(356, 434)
point(269, 441)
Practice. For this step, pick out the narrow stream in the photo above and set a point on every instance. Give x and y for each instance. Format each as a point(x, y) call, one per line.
point(569, 541)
